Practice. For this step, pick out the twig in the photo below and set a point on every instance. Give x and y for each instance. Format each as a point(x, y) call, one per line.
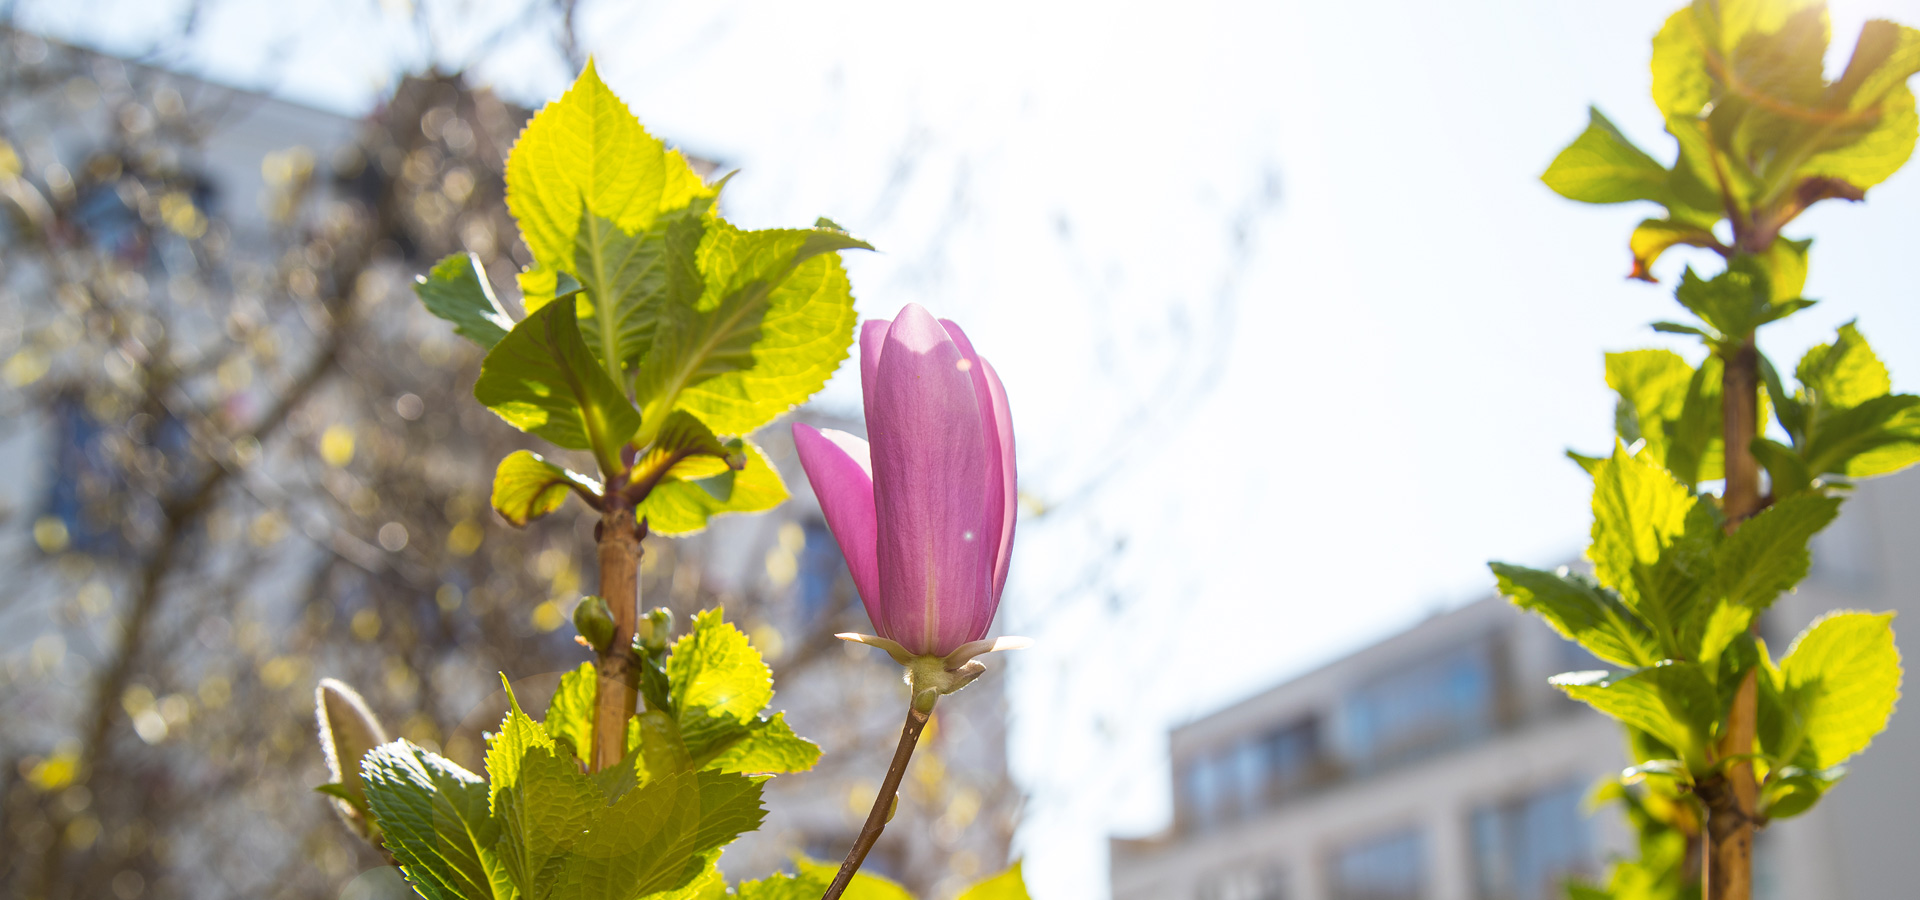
point(883, 804)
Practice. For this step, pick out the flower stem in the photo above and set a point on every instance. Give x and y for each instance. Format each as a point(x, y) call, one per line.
point(917, 715)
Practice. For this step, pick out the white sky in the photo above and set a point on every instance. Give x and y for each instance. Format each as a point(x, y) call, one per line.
point(1417, 327)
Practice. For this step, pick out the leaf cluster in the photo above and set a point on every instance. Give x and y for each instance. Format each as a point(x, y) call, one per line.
point(1761, 134)
point(657, 335)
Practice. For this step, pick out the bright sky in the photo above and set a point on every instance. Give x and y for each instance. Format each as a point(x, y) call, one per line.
point(1415, 327)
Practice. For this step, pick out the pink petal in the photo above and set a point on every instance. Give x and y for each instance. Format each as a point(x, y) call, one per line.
point(997, 505)
point(1010, 490)
point(838, 466)
point(873, 334)
point(929, 465)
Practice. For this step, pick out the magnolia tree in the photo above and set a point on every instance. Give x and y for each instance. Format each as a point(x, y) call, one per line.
point(1725, 736)
point(657, 338)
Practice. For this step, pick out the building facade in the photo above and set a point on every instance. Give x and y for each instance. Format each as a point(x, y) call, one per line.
point(1439, 765)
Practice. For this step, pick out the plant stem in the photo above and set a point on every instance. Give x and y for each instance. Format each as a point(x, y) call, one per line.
point(1730, 798)
point(882, 804)
point(618, 536)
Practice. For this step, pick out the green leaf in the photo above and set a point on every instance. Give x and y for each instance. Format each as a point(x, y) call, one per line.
point(1843, 374)
point(1786, 263)
point(526, 487)
point(435, 820)
point(542, 814)
point(1795, 790)
point(1879, 436)
point(1652, 385)
point(710, 884)
point(1673, 701)
point(1645, 547)
point(729, 808)
point(686, 449)
point(457, 291)
point(630, 277)
point(643, 844)
point(677, 507)
point(542, 379)
point(1872, 156)
point(1681, 84)
point(586, 155)
point(720, 683)
point(1603, 166)
point(1734, 302)
point(1653, 237)
point(1786, 471)
point(1842, 677)
point(1696, 451)
point(768, 747)
point(1581, 611)
point(570, 713)
point(1767, 556)
point(773, 322)
point(1008, 885)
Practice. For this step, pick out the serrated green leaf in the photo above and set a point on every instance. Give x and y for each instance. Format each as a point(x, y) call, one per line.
point(1871, 157)
point(541, 799)
point(769, 746)
point(526, 487)
point(1734, 302)
point(1843, 374)
point(1652, 385)
point(1696, 450)
point(1786, 471)
point(1681, 84)
point(687, 450)
point(1727, 623)
point(729, 808)
point(1795, 790)
point(586, 151)
point(1008, 885)
point(630, 277)
point(435, 820)
point(1879, 436)
point(710, 884)
point(1842, 678)
point(457, 290)
point(773, 322)
point(542, 379)
point(716, 675)
point(1650, 546)
point(570, 713)
point(1673, 702)
point(677, 506)
point(1581, 611)
point(1603, 166)
point(642, 844)
point(1768, 555)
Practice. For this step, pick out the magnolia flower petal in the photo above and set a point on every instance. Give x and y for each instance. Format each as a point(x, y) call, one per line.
point(1009, 480)
point(873, 334)
point(995, 507)
point(839, 468)
point(893, 648)
point(930, 462)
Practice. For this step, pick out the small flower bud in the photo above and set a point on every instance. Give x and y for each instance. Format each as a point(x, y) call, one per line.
point(655, 631)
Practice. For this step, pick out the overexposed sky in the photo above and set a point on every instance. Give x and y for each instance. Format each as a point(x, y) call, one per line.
point(1406, 339)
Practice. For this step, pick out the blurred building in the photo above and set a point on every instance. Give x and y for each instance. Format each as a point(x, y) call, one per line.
point(1439, 765)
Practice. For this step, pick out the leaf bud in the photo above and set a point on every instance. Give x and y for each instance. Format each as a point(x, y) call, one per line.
point(348, 729)
point(656, 629)
point(594, 621)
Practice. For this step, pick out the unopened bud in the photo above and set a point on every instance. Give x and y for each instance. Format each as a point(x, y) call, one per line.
point(348, 729)
point(655, 630)
point(893, 806)
point(594, 621)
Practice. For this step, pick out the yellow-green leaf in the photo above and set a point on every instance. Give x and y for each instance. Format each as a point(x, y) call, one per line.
point(1842, 678)
point(526, 487)
point(677, 507)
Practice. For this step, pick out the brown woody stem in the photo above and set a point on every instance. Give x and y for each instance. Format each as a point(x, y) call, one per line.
point(618, 693)
point(917, 715)
point(1730, 797)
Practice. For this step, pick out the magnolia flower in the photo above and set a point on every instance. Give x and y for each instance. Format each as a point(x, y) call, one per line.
point(924, 514)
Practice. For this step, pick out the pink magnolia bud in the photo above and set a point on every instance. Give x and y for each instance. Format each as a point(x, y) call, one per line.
point(924, 514)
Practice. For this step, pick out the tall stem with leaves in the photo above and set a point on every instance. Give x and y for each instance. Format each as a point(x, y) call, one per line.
point(1726, 739)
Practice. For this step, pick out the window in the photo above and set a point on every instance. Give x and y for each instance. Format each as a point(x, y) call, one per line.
point(1527, 848)
point(1245, 884)
point(1424, 708)
point(1250, 775)
point(1385, 868)
point(820, 570)
point(1203, 783)
point(1292, 759)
